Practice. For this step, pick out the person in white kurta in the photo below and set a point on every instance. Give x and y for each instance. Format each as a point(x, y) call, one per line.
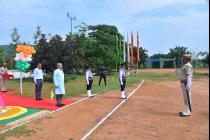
point(58, 78)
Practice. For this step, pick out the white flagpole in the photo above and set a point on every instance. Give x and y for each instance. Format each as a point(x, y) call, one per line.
point(21, 83)
point(124, 57)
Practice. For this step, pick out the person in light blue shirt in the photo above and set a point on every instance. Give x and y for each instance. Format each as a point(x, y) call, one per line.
point(58, 79)
point(38, 80)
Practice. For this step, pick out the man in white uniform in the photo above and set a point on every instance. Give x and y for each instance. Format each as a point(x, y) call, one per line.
point(122, 80)
point(58, 78)
point(89, 80)
point(187, 73)
point(3, 71)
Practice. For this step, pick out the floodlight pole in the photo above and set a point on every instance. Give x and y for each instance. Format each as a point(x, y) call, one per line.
point(71, 19)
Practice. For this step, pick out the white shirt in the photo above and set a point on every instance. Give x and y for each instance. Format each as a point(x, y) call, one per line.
point(122, 75)
point(88, 74)
point(3, 70)
point(38, 74)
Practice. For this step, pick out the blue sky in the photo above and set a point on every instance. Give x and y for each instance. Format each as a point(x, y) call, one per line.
point(162, 24)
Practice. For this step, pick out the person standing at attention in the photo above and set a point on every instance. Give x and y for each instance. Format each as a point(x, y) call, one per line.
point(186, 82)
point(102, 74)
point(3, 71)
point(89, 80)
point(122, 80)
point(58, 79)
point(38, 80)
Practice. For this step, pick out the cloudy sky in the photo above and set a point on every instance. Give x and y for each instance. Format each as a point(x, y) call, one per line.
point(162, 24)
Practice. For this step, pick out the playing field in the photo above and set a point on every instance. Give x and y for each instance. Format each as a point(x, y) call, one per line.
point(150, 113)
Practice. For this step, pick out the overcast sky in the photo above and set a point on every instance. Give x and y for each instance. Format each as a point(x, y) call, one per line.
point(162, 24)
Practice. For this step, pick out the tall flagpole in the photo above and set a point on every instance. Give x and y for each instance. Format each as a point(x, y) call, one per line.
point(128, 51)
point(137, 48)
point(124, 56)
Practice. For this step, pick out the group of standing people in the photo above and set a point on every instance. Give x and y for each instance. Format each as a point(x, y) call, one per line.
point(102, 74)
point(58, 79)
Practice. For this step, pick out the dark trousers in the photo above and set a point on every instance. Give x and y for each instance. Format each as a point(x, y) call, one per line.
point(59, 99)
point(102, 77)
point(90, 85)
point(38, 88)
point(122, 87)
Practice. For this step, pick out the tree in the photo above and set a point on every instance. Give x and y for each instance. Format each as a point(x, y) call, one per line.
point(178, 53)
point(104, 38)
point(160, 55)
point(2, 57)
point(143, 57)
point(204, 58)
point(37, 34)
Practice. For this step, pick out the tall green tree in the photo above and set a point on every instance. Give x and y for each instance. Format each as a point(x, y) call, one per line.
point(178, 53)
point(104, 37)
point(2, 55)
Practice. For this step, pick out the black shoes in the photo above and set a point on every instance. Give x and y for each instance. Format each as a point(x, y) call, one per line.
point(39, 99)
point(60, 105)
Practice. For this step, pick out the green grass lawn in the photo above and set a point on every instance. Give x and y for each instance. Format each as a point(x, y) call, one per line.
point(77, 86)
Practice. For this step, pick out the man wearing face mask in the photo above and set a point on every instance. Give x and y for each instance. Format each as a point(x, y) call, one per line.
point(186, 82)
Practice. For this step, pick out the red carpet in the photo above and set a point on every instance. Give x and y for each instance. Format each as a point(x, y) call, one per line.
point(11, 100)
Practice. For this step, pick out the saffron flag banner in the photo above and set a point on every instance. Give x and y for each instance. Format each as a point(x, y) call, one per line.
point(128, 49)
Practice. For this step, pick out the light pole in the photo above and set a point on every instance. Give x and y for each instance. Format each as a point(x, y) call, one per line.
point(71, 19)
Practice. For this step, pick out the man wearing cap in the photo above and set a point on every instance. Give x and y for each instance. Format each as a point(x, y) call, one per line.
point(186, 81)
point(3, 71)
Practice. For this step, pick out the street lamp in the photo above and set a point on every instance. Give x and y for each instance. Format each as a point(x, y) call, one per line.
point(71, 19)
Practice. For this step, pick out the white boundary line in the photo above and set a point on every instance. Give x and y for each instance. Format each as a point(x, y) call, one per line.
point(51, 112)
point(108, 115)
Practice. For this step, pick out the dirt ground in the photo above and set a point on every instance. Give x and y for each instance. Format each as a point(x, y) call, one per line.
point(171, 70)
point(150, 114)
